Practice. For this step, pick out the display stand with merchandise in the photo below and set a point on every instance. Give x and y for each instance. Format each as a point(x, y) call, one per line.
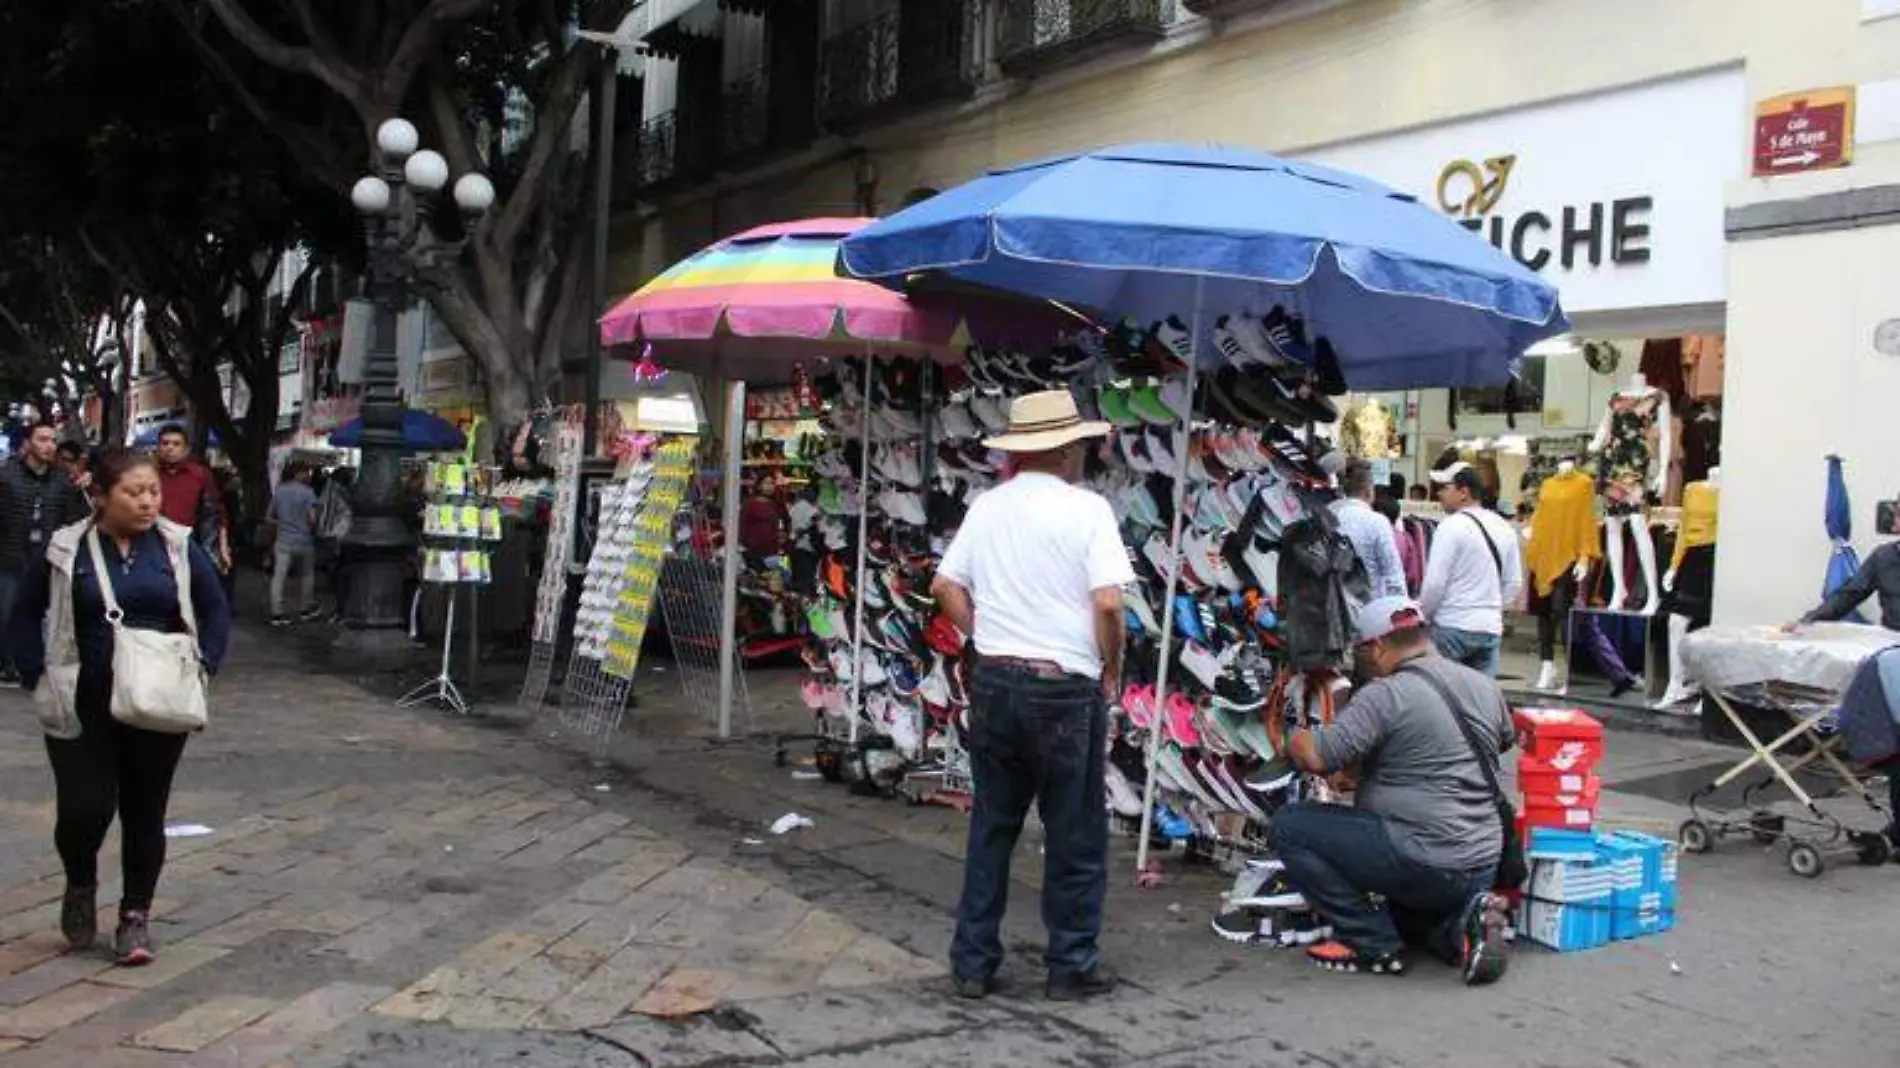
point(461, 522)
point(564, 456)
point(630, 545)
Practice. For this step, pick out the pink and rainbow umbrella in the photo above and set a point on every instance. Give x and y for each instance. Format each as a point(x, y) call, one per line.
point(751, 306)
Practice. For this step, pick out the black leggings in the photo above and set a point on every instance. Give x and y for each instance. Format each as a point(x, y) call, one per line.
point(112, 767)
point(1556, 611)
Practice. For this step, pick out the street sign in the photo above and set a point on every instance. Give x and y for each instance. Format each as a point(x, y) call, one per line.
point(1807, 131)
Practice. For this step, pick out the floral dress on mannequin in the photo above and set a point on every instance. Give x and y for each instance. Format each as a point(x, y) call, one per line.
point(1623, 468)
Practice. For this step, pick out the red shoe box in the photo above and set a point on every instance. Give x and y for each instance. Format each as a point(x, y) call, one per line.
point(1538, 779)
point(1569, 812)
point(1567, 740)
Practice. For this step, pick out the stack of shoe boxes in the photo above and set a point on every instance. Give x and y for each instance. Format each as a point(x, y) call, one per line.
point(1557, 768)
point(1587, 890)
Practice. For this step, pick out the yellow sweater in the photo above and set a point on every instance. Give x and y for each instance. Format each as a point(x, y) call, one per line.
point(1563, 529)
point(1699, 501)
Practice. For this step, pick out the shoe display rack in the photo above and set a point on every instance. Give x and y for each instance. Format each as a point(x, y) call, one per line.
point(563, 454)
point(633, 534)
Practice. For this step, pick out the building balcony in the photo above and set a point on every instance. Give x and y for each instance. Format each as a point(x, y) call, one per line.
point(661, 151)
point(745, 116)
point(1032, 35)
point(914, 54)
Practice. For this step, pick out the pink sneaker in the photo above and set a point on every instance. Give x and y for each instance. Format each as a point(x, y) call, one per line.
point(1138, 701)
point(1181, 721)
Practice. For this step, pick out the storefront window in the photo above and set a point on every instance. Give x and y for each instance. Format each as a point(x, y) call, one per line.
point(1492, 401)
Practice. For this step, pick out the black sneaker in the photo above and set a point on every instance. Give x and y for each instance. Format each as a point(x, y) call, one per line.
point(79, 916)
point(970, 988)
point(280, 621)
point(134, 940)
point(1486, 952)
point(1080, 986)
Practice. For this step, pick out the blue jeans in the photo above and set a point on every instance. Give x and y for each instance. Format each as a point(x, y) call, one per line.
point(1468, 647)
point(1043, 741)
point(1336, 855)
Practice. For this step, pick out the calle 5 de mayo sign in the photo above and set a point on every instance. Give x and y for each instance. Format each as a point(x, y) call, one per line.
point(1808, 131)
point(1616, 231)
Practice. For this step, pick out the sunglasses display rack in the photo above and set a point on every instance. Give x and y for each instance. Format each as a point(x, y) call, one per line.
point(461, 522)
point(634, 534)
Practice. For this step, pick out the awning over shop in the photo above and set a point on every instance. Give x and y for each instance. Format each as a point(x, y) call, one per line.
point(676, 24)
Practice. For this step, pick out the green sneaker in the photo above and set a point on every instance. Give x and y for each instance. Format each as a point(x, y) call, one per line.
point(819, 620)
point(1246, 730)
point(1145, 401)
point(1113, 401)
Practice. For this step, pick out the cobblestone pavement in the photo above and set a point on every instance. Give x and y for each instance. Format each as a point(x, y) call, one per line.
point(391, 889)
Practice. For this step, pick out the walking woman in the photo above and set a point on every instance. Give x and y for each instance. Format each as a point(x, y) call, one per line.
point(100, 765)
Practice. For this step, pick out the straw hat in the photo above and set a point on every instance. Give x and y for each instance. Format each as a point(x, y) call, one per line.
point(1040, 422)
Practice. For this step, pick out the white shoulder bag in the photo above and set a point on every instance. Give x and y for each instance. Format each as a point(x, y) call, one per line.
point(158, 683)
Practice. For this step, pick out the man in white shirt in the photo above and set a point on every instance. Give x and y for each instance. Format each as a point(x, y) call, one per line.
point(1370, 533)
point(1034, 576)
point(1473, 571)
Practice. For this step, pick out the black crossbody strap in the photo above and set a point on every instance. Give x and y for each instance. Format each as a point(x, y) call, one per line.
point(1496, 558)
point(1464, 727)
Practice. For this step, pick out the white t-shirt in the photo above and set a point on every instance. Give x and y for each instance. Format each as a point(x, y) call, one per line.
point(1465, 587)
point(1031, 552)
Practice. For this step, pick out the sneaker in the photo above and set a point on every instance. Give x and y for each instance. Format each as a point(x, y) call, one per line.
point(1340, 957)
point(1115, 409)
point(1175, 337)
point(280, 621)
point(1081, 985)
point(1203, 665)
point(133, 940)
point(79, 916)
point(1246, 926)
point(970, 988)
point(1123, 799)
point(1145, 401)
point(1486, 952)
point(957, 422)
point(1264, 885)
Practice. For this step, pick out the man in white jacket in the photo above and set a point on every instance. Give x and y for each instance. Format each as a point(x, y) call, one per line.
point(1474, 570)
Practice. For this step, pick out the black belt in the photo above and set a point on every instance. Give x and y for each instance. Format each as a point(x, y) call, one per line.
point(1042, 669)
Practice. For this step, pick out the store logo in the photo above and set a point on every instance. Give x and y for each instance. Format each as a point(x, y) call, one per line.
point(1583, 233)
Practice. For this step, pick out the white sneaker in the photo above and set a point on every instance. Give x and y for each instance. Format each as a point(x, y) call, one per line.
point(1156, 550)
point(957, 422)
point(990, 411)
point(901, 424)
point(1123, 800)
point(1144, 613)
point(1173, 334)
point(1203, 665)
point(1229, 345)
point(1547, 676)
point(1133, 446)
point(1175, 395)
point(1161, 445)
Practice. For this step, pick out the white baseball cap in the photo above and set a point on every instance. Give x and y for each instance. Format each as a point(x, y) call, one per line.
point(1384, 616)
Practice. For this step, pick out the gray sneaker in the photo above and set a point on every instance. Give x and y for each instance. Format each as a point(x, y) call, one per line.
point(1486, 951)
point(134, 939)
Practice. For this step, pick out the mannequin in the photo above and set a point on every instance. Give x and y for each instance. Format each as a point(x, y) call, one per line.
point(1691, 574)
point(1627, 472)
point(1563, 542)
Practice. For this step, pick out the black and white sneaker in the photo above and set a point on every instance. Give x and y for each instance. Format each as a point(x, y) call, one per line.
point(1263, 884)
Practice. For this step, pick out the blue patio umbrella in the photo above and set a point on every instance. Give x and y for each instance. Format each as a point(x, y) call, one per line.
point(1843, 562)
point(148, 438)
point(421, 432)
point(1404, 295)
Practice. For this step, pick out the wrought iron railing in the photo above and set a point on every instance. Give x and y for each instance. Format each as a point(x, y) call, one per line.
point(912, 54)
point(654, 151)
point(745, 115)
point(1029, 29)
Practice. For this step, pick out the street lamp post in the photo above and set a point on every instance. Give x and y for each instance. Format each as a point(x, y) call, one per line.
point(397, 206)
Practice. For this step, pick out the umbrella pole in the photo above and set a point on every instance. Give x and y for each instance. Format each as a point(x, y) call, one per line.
point(1158, 725)
point(857, 577)
point(729, 593)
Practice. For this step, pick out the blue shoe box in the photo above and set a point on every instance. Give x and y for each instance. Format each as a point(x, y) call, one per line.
point(1568, 902)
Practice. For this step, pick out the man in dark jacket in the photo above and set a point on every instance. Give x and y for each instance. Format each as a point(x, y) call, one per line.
point(1878, 574)
point(36, 498)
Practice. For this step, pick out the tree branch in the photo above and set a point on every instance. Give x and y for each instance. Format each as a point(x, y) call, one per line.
point(417, 44)
point(553, 127)
point(330, 70)
point(457, 145)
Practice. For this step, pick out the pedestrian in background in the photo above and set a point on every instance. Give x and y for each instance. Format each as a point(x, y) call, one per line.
point(293, 522)
point(36, 499)
point(100, 765)
point(191, 497)
point(1473, 570)
point(1034, 577)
